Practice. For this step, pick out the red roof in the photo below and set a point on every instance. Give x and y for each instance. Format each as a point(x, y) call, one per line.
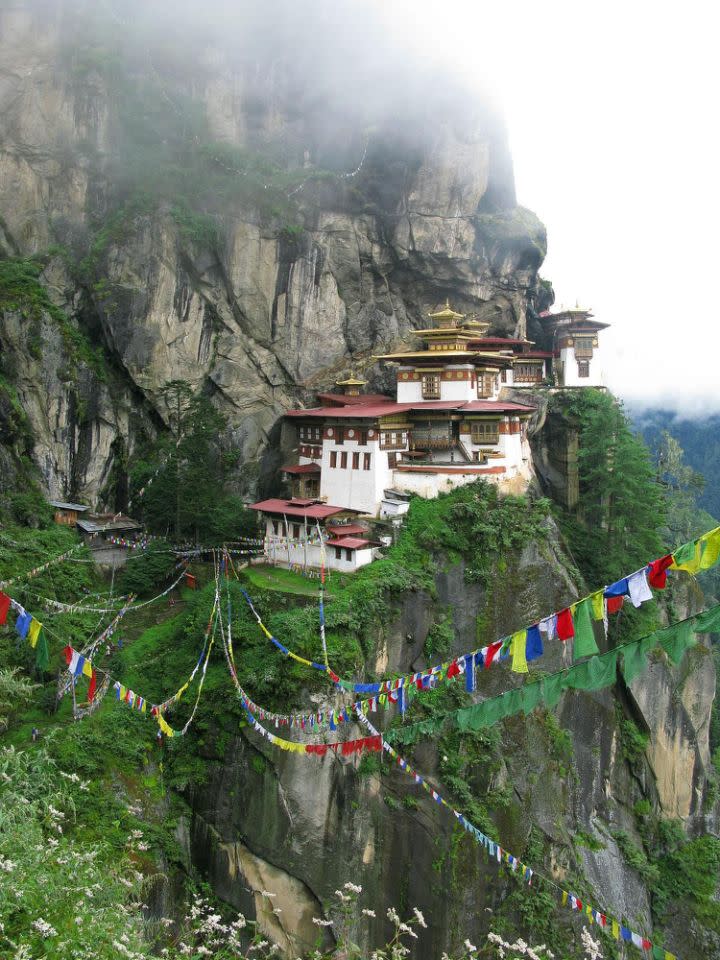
point(499, 341)
point(534, 354)
point(374, 410)
point(356, 411)
point(493, 406)
point(294, 508)
point(346, 400)
point(350, 543)
point(345, 529)
point(302, 468)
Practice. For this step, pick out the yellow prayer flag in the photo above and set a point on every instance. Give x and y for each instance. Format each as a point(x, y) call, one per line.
point(711, 551)
point(615, 929)
point(598, 605)
point(670, 956)
point(589, 912)
point(87, 668)
point(564, 898)
point(164, 726)
point(34, 632)
point(181, 691)
point(517, 648)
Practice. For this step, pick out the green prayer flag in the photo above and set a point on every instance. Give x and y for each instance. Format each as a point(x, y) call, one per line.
point(601, 671)
point(552, 688)
point(708, 622)
point(676, 640)
point(687, 557)
point(585, 645)
point(531, 696)
point(42, 654)
point(634, 661)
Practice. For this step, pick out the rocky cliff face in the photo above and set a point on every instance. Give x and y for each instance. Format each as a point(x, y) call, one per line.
point(215, 215)
point(561, 788)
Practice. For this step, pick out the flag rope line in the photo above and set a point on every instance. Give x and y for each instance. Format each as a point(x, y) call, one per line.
point(603, 920)
point(38, 570)
point(695, 556)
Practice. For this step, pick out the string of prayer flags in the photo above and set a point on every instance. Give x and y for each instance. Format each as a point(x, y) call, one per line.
point(38, 570)
point(42, 654)
point(688, 557)
point(533, 643)
point(657, 571)
point(501, 856)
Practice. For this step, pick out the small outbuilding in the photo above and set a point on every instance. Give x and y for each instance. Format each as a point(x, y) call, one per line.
point(67, 514)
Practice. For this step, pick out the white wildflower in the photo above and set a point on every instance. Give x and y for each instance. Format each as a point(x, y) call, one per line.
point(420, 918)
point(470, 947)
point(321, 923)
point(353, 887)
point(44, 928)
point(368, 913)
point(392, 916)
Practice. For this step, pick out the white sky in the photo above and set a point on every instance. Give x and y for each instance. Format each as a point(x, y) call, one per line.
point(614, 120)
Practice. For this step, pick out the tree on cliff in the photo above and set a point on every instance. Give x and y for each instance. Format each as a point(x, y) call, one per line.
point(184, 475)
point(621, 509)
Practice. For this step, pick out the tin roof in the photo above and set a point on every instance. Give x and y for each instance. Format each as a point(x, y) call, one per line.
point(77, 507)
point(301, 468)
point(108, 523)
point(299, 508)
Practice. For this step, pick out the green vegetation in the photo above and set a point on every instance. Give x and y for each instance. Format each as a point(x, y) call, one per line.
point(178, 471)
point(22, 291)
point(286, 581)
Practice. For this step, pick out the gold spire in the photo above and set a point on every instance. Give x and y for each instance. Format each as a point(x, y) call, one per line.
point(447, 316)
point(351, 386)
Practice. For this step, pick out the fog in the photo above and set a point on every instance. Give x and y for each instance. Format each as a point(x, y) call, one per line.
point(612, 123)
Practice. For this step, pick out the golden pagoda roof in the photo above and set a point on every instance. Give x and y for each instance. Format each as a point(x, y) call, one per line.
point(350, 382)
point(447, 314)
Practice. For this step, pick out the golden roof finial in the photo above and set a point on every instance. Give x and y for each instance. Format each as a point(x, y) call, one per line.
point(447, 316)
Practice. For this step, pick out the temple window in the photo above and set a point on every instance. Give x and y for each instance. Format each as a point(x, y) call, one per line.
point(431, 386)
point(485, 384)
point(343, 460)
point(583, 368)
point(583, 347)
point(356, 461)
point(485, 432)
point(333, 458)
point(366, 461)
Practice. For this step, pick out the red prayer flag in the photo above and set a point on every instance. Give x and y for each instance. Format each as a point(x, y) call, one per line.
point(92, 686)
point(453, 670)
point(4, 607)
point(68, 652)
point(657, 575)
point(565, 625)
point(646, 944)
point(491, 651)
point(614, 604)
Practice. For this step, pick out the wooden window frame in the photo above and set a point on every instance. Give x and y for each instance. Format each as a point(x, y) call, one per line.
point(348, 555)
point(483, 436)
point(343, 460)
point(367, 459)
point(583, 368)
point(296, 531)
point(338, 553)
point(355, 460)
point(583, 347)
point(430, 386)
point(333, 458)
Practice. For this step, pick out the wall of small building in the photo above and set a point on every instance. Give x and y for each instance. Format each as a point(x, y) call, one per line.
point(359, 489)
point(570, 377)
point(310, 555)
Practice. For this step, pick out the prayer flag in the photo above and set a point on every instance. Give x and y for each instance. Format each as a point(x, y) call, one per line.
point(585, 645)
point(34, 632)
point(22, 624)
point(638, 588)
point(617, 589)
point(534, 644)
point(688, 557)
point(42, 657)
point(490, 652)
point(598, 605)
point(614, 604)
point(517, 648)
point(565, 629)
point(92, 687)
point(657, 572)
point(711, 549)
point(4, 607)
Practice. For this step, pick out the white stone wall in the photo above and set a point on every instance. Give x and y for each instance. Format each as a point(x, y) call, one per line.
point(570, 370)
point(356, 489)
